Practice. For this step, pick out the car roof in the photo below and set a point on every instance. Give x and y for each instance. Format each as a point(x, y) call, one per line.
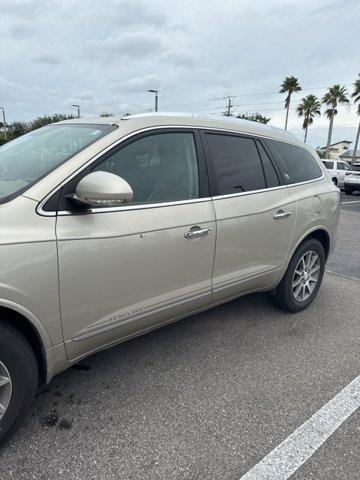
point(157, 119)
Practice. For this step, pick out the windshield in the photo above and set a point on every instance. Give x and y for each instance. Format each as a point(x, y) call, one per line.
point(30, 157)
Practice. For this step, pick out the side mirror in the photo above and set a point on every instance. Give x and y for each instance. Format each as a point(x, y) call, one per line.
point(104, 189)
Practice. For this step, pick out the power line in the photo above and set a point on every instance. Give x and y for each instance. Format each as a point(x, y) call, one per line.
point(346, 84)
point(197, 101)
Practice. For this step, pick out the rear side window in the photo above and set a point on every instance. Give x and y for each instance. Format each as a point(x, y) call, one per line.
point(236, 162)
point(328, 165)
point(298, 164)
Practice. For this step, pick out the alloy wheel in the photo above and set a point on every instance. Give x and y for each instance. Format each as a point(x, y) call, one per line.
point(306, 276)
point(5, 389)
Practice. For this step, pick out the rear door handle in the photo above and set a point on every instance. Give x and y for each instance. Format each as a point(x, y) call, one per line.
point(281, 214)
point(197, 232)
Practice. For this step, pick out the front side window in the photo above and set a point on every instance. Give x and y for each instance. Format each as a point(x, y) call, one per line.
point(236, 162)
point(340, 166)
point(28, 158)
point(159, 168)
point(298, 164)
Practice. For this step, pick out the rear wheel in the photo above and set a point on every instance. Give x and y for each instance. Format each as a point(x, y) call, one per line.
point(18, 379)
point(335, 182)
point(302, 279)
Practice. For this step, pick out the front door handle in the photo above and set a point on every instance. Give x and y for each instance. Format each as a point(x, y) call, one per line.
point(197, 232)
point(281, 214)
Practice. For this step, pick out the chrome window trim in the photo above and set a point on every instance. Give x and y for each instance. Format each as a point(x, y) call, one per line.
point(262, 190)
point(40, 211)
point(135, 207)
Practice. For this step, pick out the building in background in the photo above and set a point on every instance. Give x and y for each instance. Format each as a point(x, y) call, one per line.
point(347, 156)
point(337, 149)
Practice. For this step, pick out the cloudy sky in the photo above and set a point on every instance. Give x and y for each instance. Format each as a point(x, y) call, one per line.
point(105, 54)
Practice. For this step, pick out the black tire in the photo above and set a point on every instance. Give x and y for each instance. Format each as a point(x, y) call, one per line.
point(335, 182)
point(348, 191)
point(19, 359)
point(283, 296)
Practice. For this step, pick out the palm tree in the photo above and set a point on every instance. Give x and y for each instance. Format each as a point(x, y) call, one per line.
point(289, 86)
point(308, 108)
point(337, 95)
point(356, 96)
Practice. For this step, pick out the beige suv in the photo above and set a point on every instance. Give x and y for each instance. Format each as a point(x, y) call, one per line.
point(112, 227)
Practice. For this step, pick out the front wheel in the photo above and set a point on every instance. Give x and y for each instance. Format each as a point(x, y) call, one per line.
point(18, 379)
point(348, 191)
point(302, 279)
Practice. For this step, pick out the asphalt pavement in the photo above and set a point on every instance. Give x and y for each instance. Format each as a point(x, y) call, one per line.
point(208, 397)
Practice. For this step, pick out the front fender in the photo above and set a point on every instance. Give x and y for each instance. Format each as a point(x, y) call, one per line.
point(30, 317)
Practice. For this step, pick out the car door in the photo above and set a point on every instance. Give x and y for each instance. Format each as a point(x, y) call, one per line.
point(254, 212)
point(125, 270)
point(306, 184)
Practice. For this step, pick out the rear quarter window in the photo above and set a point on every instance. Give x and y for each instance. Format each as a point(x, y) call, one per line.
point(296, 163)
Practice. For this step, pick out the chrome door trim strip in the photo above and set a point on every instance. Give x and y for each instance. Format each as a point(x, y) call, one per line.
point(145, 313)
point(217, 287)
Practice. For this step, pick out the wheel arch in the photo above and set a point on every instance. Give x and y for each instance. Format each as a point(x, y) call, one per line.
point(36, 338)
point(320, 234)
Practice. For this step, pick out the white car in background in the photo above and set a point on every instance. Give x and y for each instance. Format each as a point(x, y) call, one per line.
point(338, 169)
point(352, 181)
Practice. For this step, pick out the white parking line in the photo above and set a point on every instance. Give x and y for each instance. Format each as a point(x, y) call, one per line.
point(353, 201)
point(287, 457)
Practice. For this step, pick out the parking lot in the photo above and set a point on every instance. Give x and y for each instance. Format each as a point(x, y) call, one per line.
point(210, 396)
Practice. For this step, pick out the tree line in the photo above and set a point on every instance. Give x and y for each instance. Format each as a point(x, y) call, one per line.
point(16, 129)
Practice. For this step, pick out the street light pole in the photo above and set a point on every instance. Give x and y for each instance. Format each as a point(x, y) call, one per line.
point(78, 109)
point(4, 122)
point(156, 98)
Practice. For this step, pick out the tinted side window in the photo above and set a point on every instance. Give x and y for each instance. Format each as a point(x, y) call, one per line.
point(328, 165)
point(236, 162)
point(159, 168)
point(340, 166)
point(272, 180)
point(298, 164)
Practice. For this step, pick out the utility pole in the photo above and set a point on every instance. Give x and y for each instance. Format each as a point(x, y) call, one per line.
point(152, 90)
point(4, 122)
point(78, 110)
point(228, 107)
